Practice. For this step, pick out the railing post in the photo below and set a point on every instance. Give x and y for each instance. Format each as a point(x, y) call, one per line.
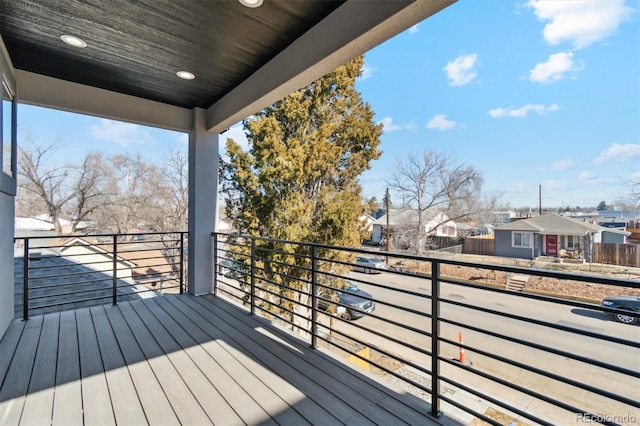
point(181, 262)
point(435, 339)
point(314, 291)
point(253, 276)
point(216, 269)
point(25, 280)
point(115, 269)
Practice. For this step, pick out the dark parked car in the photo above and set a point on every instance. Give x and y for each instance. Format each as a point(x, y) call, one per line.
point(356, 306)
point(630, 304)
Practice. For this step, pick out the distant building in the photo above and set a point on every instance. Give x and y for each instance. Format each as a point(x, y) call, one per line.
point(435, 224)
point(552, 235)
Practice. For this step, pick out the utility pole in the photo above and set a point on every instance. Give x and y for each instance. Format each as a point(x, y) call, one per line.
point(540, 200)
point(388, 212)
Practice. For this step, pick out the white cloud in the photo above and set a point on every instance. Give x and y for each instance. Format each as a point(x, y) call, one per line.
point(562, 164)
point(124, 134)
point(440, 122)
point(461, 71)
point(580, 22)
point(367, 71)
point(522, 111)
point(555, 68)
point(618, 152)
point(414, 29)
point(183, 139)
point(235, 132)
point(389, 126)
point(553, 184)
point(587, 176)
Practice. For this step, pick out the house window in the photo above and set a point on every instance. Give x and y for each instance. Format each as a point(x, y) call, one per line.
point(521, 239)
point(573, 242)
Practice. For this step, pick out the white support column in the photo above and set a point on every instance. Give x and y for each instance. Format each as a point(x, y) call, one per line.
point(203, 203)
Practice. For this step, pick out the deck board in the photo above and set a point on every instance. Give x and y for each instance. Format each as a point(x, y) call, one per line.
point(239, 400)
point(343, 396)
point(155, 404)
point(183, 402)
point(96, 400)
point(39, 402)
point(411, 409)
point(125, 401)
point(8, 345)
point(222, 332)
point(198, 385)
point(67, 408)
point(247, 390)
point(181, 359)
point(13, 394)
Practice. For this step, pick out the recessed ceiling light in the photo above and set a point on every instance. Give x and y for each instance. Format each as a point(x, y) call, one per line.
point(73, 40)
point(251, 3)
point(185, 75)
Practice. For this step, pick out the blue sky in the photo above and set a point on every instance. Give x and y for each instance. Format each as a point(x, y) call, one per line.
point(527, 92)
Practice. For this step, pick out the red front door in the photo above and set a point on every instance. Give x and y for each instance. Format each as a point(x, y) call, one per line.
point(552, 245)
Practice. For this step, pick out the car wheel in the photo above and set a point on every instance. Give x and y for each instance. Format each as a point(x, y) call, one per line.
point(346, 316)
point(626, 319)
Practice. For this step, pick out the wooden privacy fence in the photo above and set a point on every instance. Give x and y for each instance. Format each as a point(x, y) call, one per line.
point(617, 254)
point(481, 246)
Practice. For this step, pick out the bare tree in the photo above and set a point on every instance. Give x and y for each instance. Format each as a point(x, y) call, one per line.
point(89, 185)
point(119, 194)
point(631, 198)
point(46, 185)
point(432, 182)
point(175, 192)
point(134, 187)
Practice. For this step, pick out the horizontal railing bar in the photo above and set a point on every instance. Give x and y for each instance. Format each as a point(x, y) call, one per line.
point(70, 274)
point(123, 234)
point(511, 385)
point(92, 271)
point(73, 264)
point(380, 366)
point(549, 375)
point(90, 290)
point(69, 293)
point(543, 323)
point(69, 283)
point(270, 273)
point(542, 348)
point(524, 294)
point(51, 305)
point(492, 400)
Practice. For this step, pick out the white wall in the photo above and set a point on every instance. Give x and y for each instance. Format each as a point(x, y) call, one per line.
point(7, 214)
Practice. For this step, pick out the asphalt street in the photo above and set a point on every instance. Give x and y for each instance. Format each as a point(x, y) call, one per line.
point(588, 347)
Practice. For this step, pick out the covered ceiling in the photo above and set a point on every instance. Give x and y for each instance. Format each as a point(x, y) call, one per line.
point(243, 58)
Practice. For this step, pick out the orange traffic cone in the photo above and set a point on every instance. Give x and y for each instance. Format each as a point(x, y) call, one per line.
point(462, 360)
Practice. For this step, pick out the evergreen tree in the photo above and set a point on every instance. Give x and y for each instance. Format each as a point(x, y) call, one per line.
point(298, 180)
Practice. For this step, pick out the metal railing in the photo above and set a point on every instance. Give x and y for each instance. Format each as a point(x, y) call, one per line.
point(55, 273)
point(538, 356)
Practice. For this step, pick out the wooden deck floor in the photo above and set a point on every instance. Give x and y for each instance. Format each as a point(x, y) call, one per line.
point(181, 359)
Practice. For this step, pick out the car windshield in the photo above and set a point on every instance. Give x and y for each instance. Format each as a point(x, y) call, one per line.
point(351, 288)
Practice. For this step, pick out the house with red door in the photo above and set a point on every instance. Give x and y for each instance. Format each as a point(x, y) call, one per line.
point(552, 235)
